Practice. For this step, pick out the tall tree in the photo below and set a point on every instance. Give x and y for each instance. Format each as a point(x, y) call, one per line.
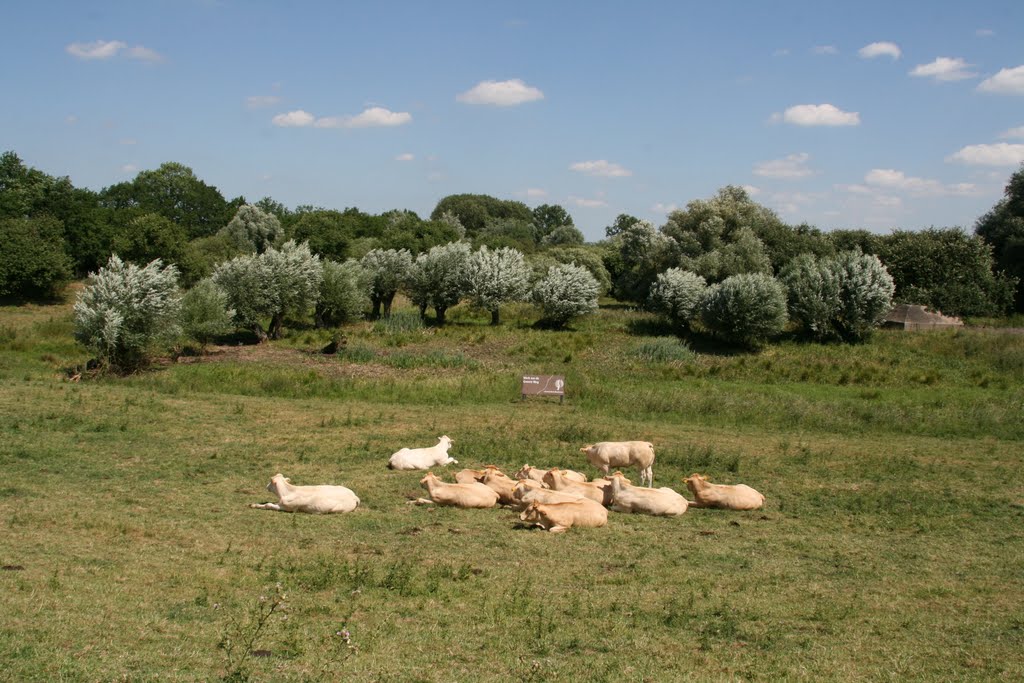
point(474, 210)
point(1003, 229)
point(547, 217)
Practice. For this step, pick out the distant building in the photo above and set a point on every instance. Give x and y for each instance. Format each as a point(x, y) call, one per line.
point(914, 317)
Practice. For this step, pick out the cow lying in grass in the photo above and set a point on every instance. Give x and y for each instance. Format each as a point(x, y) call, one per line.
point(558, 517)
point(313, 499)
point(663, 502)
point(423, 458)
point(722, 496)
point(475, 495)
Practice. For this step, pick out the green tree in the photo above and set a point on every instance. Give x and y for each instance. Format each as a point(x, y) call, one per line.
point(548, 217)
point(622, 221)
point(812, 295)
point(1003, 229)
point(642, 253)
point(474, 210)
point(33, 262)
point(865, 294)
point(205, 314)
point(948, 270)
point(564, 236)
point(174, 192)
point(344, 293)
point(677, 294)
point(151, 236)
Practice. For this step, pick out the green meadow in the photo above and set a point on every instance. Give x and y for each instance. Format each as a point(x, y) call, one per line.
point(891, 545)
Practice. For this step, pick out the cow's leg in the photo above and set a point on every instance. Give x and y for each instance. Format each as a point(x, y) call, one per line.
point(558, 529)
point(266, 506)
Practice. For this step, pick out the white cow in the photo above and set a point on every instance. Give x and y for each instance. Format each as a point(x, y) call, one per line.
point(663, 502)
point(313, 499)
point(423, 458)
point(722, 496)
point(617, 454)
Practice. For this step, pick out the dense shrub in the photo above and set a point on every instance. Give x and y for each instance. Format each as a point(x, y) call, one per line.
point(126, 311)
point(344, 292)
point(677, 295)
point(253, 229)
point(151, 236)
point(812, 287)
point(205, 314)
point(745, 309)
point(497, 277)
point(33, 262)
point(865, 294)
point(566, 292)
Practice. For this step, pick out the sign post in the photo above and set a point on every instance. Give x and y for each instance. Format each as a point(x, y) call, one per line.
point(544, 385)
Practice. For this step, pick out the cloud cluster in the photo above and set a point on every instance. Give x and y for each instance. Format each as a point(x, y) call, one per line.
point(817, 115)
point(584, 203)
point(998, 154)
point(108, 49)
point(1006, 82)
point(945, 69)
point(500, 93)
point(261, 101)
point(882, 49)
point(789, 168)
point(369, 118)
point(601, 168)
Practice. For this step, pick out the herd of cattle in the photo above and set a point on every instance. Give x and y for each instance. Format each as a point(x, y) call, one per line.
point(554, 499)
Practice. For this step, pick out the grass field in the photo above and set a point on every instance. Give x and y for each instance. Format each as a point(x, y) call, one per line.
point(891, 546)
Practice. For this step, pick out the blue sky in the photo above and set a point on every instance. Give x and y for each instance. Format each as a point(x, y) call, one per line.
point(869, 114)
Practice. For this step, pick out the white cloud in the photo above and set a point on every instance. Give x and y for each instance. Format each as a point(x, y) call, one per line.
point(405, 157)
point(880, 49)
point(144, 53)
point(791, 167)
point(825, 50)
point(374, 116)
point(601, 168)
point(999, 154)
point(781, 52)
point(817, 115)
point(891, 179)
point(984, 32)
point(71, 120)
point(128, 141)
point(588, 203)
point(106, 49)
point(129, 168)
point(945, 69)
point(260, 101)
point(294, 119)
point(98, 49)
point(751, 190)
point(535, 193)
point(500, 93)
point(1017, 132)
point(664, 208)
point(1006, 82)
point(369, 118)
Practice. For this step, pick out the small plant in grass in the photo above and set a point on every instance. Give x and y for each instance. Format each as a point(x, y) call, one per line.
point(239, 638)
point(745, 309)
point(126, 311)
point(664, 350)
point(566, 292)
point(205, 314)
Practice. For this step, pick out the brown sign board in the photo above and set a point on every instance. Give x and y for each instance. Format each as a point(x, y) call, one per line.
point(544, 385)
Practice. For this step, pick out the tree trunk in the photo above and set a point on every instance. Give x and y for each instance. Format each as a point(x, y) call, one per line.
point(276, 323)
point(440, 310)
point(495, 320)
point(375, 313)
point(257, 329)
point(388, 300)
point(423, 311)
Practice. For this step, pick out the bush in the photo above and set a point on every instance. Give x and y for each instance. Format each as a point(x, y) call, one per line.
point(253, 229)
point(344, 292)
point(205, 313)
point(126, 311)
point(388, 270)
point(745, 309)
point(677, 294)
point(812, 287)
point(566, 292)
point(33, 262)
point(664, 350)
point(865, 294)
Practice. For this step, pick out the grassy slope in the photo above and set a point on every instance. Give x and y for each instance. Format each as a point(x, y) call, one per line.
point(891, 546)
